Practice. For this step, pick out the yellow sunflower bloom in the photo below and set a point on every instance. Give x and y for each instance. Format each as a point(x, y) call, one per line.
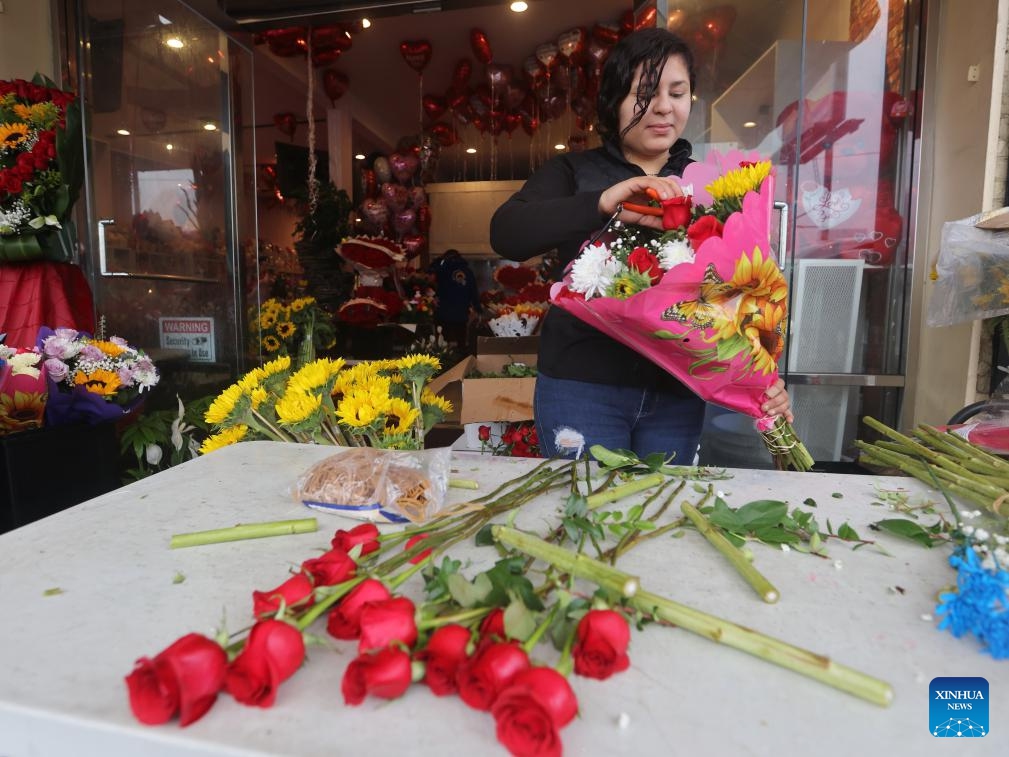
point(271, 343)
point(400, 416)
point(286, 329)
point(12, 135)
point(108, 348)
point(297, 407)
point(765, 333)
point(42, 115)
point(436, 401)
point(100, 381)
point(223, 405)
point(314, 375)
point(357, 411)
point(267, 320)
point(736, 183)
point(251, 380)
point(21, 411)
point(418, 368)
point(301, 303)
point(277, 365)
point(223, 438)
point(258, 396)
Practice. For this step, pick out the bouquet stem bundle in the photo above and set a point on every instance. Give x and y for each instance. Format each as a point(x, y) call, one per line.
point(787, 450)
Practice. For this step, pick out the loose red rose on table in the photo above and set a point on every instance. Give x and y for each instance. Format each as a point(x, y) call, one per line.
point(384, 674)
point(492, 627)
point(487, 672)
point(531, 709)
point(387, 621)
point(445, 652)
point(423, 554)
point(645, 262)
point(294, 592)
point(331, 568)
point(366, 535)
point(549, 688)
point(344, 620)
point(272, 654)
point(185, 678)
point(702, 228)
point(676, 212)
point(601, 641)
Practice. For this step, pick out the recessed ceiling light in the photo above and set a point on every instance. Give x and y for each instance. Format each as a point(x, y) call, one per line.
point(210, 59)
point(359, 156)
point(749, 124)
point(175, 43)
point(519, 6)
point(169, 147)
point(164, 21)
point(210, 126)
point(123, 132)
point(365, 23)
point(559, 146)
point(471, 150)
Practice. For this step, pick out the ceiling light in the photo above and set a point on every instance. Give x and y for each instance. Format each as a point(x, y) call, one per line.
point(169, 147)
point(164, 21)
point(175, 43)
point(359, 156)
point(210, 59)
point(559, 147)
point(519, 6)
point(471, 150)
point(365, 23)
point(693, 98)
point(123, 132)
point(749, 124)
point(210, 126)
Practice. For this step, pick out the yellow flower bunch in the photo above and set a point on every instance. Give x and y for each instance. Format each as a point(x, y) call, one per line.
point(282, 328)
point(379, 403)
point(732, 185)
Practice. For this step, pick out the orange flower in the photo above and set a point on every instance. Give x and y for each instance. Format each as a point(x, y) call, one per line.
point(108, 348)
point(21, 411)
point(101, 381)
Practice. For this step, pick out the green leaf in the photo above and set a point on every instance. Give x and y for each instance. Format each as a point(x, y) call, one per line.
point(700, 488)
point(847, 533)
point(776, 535)
point(906, 529)
point(760, 513)
point(485, 536)
point(178, 578)
point(52, 592)
point(837, 495)
point(519, 623)
point(725, 517)
point(469, 594)
point(809, 502)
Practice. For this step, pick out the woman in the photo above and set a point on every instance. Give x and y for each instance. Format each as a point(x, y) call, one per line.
point(589, 385)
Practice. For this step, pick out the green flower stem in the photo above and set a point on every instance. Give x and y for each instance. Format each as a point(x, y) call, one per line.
point(244, 531)
point(953, 471)
point(969, 450)
point(542, 628)
point(565, 664)
point(332, 595)
point(463, 483)
point(397, 580)
point(764, 588)
point(462, 618)
point(722, 631)
point(269, 427)
point(624, 490)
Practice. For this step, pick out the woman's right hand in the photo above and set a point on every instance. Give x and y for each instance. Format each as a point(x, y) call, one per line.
point(633, 191)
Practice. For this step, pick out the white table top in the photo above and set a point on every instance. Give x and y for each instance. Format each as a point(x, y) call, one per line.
point(63, 657)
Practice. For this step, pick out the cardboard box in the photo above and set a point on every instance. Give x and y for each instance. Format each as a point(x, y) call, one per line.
point(478, 400)
point(520, 346)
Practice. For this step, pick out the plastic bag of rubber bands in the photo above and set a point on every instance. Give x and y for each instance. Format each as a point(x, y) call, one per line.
point(379, 485)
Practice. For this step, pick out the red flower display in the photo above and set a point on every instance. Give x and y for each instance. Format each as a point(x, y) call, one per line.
point(374, 253)
point(272, 654)
point(385, 674)
point(601, 641)
point(645, 262)
point(676, 211)
point(531, 709)
point(183, 679)
point(515, 276)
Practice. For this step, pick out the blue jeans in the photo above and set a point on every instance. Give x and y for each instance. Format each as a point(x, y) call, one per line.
point(617, 417)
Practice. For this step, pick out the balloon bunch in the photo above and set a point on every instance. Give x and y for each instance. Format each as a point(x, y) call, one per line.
point(329, 42)
point(395, 204)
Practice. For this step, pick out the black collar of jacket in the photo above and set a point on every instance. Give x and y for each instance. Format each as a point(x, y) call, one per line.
point(679, 156)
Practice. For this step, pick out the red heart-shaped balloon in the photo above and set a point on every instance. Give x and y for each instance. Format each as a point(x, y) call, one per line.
point(443, 133)
point(530, 125)
point(547, 55)
point(533, 69)
point(382, 171)
point(414, 244)
point(499, 75)
point(462, 72)
point(455, 97)
point(424, 218)
point(325, 57)
point(717, 22)
point(394, 195)
point(335, 83)
point(416, 53)
point(404, 166)
point(572, 42)
point(287, 123)
point(404, 220)
point(481, 46)
point(333, 35)
point(607, 34)
point(376, 212)
point(434, 106)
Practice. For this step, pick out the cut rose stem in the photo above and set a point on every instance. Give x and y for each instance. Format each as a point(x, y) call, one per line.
point(624, 490)
point(244, 531)
point(767, 648)
point(764, 588)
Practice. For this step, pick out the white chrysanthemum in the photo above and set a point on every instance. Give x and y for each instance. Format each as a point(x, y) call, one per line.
point(593, 272)
point(674, 252)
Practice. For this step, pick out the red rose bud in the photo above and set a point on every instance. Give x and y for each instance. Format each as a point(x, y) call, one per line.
point(489, 671)
point(423, 554)
point(492, 628)
point(387, 621)
point(483, 433)
point(524, 727)
point(294, 592)
point(331, 568)
point(184, 678)
point(344, 620)
point(384, 674)
point(601, 641)
point(272, 654)
point(701, 229)
point(645, 262)
point(446, 650)
point(366, 535)
point(549, 688)
point(676, 212)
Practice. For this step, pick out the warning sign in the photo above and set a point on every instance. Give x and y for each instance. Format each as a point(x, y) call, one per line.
point(193, 334)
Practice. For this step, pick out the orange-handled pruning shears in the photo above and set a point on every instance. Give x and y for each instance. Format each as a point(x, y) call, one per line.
point(646, 210)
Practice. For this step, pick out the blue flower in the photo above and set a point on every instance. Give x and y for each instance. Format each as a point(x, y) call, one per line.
point(980, 605)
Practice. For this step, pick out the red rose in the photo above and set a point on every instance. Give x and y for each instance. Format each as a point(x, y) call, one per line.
point(272, 654)
point(446, 650)
point(601, 641)
point(387, 621)
point(386, 674)
point(487, 672)
point(676, 212)
point(547, 687)
point(344, 621)
point(701, 229)
point(525, 728)
point(331, 568)
point(366, 535)
point(645, 262)
point(184, 678)
point(294, 592)
point(483, 433)
point(423, 554)
point(492, 628)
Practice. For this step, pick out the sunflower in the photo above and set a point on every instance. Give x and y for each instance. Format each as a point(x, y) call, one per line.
point(436, 401)
point(99, 381)
point(108, 348)
point(223, 406)
point(271, 343)
point(286, 329)
point(418, 368)
point(358, 410)
point(42, 115)
point(277, 365)
point(22, 411)
point(267, 320)
point(400, 416)
point(757, 276)
point(297, 407)
point(12, 135)
point(224, 438)
point(301, 303)
point(314, 375)
point(734, 184)
point(258, 396)
point(251, 380)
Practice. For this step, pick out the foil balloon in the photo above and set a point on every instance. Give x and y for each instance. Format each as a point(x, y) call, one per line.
point(606, 34)
point(533, 69)
point(403, 221)
point(424, 218)
point(455, 97)
point(716, 22)
point(530, 125)
point(369, 186)
point(645, 18)
point(571, 43)
point(443, 134)
point(461, 73)
point(404, 166)
point(416, 53)
point(512, 122)
point(417, 195)
point(286, 123)
point(499, 75)
point(434, 106)
point(382, 172)
point(428, 153)
point(414, 244)
point(394, 195)
point(375, 212)
point(513, 96)
point(675, 20)
point(331, 36)
point(325, 57)
point(335, 84)
point(481, 45)
point(547, 55)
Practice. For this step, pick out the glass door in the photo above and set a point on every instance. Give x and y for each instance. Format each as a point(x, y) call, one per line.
point(169, 195)
point(825, 89)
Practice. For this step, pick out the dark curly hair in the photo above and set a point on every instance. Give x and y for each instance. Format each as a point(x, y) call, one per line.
point(650, 49)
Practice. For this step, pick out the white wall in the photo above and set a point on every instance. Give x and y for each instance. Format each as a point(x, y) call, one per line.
point(26, 44)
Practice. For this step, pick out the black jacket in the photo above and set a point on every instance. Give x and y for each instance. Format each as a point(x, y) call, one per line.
point(558, 208)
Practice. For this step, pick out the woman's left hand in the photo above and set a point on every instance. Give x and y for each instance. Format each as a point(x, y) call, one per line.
point(777, 401)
